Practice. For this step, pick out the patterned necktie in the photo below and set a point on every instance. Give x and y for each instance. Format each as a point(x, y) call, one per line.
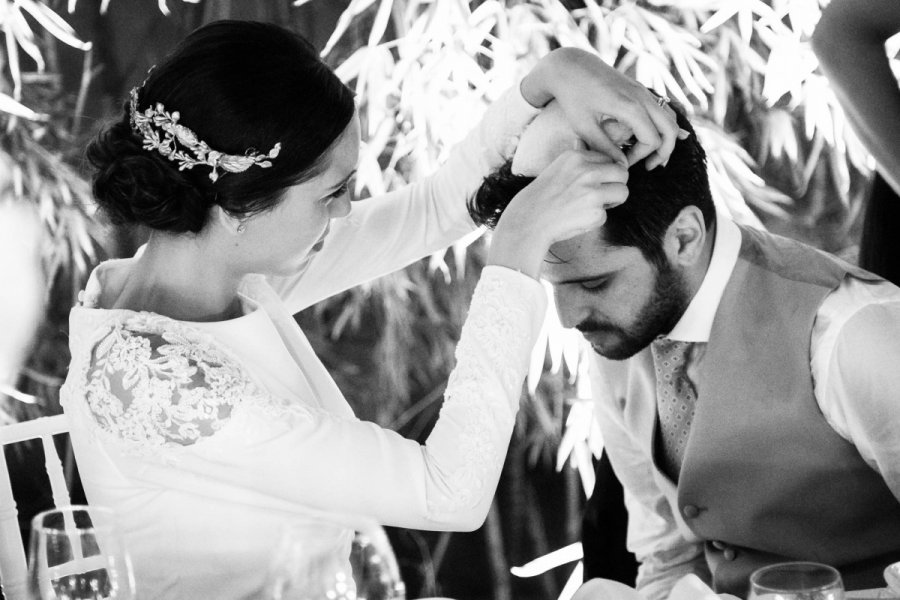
point(675, 400)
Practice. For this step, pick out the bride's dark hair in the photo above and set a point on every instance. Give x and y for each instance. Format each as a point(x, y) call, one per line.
point(239, 86)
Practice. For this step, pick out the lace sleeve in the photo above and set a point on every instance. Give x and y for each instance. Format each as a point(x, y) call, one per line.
point(468, 444)
point(175, 410)
point(151, 385)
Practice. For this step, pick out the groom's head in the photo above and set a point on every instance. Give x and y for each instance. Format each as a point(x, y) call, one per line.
point(631, 279)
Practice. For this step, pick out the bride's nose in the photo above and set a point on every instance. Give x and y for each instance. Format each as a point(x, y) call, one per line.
point(340, 206)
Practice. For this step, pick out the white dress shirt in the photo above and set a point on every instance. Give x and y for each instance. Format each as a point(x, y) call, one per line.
point(855, 365)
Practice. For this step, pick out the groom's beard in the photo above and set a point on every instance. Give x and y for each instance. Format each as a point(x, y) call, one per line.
point(657, 316)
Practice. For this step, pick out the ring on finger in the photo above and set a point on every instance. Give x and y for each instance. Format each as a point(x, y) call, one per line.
point(662, 101)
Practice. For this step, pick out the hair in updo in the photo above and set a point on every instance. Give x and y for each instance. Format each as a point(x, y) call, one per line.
point(239, 86)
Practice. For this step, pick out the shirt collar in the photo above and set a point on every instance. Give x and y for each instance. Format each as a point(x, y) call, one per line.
point(695, 324)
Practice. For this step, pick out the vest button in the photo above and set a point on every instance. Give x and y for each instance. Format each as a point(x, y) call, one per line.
point(690, 511)
point(729, 553)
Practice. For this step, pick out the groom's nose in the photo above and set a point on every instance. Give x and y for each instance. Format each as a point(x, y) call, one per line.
point(570, 305)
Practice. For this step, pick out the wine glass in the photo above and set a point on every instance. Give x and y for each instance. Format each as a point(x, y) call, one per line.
point(303, 568)
point(76, 553)
point(796, 581)
point(375, 568)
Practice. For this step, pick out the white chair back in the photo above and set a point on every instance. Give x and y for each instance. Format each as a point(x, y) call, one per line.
point(13, 565)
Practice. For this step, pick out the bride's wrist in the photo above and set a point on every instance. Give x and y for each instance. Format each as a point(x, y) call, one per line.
point(517, 249)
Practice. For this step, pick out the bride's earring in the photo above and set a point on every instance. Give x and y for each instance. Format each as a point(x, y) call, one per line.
point(241, 228)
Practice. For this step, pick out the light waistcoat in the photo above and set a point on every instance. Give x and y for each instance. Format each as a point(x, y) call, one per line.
point(764, 474)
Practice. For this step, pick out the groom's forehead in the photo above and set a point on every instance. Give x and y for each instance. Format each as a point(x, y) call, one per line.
point(588, 250)
point(586, 264)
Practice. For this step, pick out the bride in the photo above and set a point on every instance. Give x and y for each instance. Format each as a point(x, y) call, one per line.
point(200, 413)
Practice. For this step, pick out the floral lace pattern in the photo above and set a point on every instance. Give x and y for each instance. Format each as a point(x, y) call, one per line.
point(154, 388)
point(490, 350)
point(156, 382)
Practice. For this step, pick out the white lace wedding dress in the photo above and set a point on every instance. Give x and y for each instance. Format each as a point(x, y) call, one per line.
point(207, 439)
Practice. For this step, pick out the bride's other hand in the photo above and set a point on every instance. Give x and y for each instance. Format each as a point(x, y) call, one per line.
point(567, 199)
point(590, 91)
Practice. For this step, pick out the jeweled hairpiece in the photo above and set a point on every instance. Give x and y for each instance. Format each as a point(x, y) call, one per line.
point(161, 130)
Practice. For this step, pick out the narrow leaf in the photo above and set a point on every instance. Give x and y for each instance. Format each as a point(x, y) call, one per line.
point(53, 23)
point(379, 25)
point(355, 7)
point(13, 107)
point(25, 38)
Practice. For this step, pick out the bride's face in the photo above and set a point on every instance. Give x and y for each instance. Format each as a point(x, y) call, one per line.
point(283, 240)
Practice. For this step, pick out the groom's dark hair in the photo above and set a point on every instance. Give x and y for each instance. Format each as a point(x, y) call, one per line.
point(654, 197)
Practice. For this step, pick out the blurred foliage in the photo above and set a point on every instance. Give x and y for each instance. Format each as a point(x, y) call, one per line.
point(780, 155)
point(38, 117)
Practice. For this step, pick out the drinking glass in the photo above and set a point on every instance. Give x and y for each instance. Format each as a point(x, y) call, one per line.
point(306, 566)
point(75, 553)
point(375, 568)
point(796, 581)
point(301, 573)
point(303, 569)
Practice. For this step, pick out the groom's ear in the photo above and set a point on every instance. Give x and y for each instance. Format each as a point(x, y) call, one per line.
point(685, 238)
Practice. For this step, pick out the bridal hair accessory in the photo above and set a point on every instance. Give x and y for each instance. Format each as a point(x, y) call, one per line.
point(160, 130)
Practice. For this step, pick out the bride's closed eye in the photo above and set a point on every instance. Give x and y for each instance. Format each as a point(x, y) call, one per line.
point(345, 187)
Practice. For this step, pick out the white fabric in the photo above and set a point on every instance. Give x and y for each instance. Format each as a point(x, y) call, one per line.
point(855, 353)
point(548, 136)
point(688, 587)
point(208, 438)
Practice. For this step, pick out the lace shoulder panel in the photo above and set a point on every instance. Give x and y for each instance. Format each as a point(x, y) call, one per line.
point(154, 380)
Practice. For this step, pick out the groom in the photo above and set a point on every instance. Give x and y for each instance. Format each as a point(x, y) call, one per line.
point(747, 386)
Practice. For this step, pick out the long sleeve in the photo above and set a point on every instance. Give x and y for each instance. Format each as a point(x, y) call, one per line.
point(855, 350)
point(386, 233)
point(665, 549)
point(181, 415)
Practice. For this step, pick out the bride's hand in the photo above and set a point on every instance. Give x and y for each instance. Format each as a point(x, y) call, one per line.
point(590, 91)
point(568, 198)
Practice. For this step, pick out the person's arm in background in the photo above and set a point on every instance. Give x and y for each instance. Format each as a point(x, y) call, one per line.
point(849, 43)
point(22, 301)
